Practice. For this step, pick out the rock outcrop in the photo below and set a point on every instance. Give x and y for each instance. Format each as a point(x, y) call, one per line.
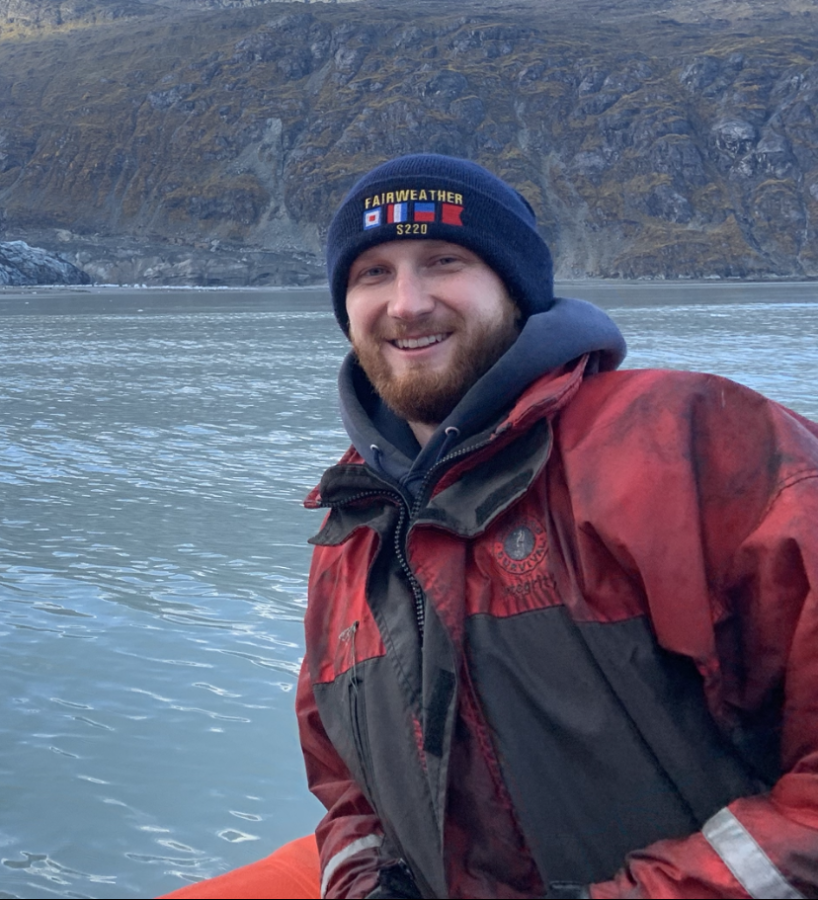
point(24, 265)
point(654, 140)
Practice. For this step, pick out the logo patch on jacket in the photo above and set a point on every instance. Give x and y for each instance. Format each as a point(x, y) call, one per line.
point(522, 547)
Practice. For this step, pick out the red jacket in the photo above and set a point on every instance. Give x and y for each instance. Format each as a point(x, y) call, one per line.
point(617, 587)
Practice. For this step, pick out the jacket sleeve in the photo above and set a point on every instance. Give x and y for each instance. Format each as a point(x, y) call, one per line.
point(763, 846)
point(354, 854)
point(729, 570)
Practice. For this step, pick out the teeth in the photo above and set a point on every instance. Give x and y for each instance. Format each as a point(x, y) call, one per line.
point(414, 343)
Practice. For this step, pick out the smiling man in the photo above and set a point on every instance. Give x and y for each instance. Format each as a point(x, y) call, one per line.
point(427, 320)
point(562, 619)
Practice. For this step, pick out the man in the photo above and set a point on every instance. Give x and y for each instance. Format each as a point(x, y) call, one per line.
point(562, 633)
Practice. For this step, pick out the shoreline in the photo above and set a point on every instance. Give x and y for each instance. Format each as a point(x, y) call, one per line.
point(707, 280)
point(609, 294)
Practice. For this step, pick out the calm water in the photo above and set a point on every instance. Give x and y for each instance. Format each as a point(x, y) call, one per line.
point(154, 450)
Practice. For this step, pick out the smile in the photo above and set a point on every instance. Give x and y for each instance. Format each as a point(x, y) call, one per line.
point(414, 343)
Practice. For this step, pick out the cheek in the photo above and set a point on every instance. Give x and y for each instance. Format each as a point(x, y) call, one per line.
point(357, 320)
point(363, 313)
point(363, 330)
point(497, 312)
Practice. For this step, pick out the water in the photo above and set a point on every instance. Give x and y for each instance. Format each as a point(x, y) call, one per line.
point(154, 452)
point(765, 336)
point(155, 447)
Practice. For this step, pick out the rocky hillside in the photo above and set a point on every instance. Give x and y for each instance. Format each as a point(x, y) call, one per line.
point(209, 140)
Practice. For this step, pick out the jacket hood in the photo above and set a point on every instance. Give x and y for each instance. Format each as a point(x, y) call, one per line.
point(568, 330)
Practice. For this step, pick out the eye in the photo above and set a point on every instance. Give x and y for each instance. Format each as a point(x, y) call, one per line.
point(445, 260)
point(367, 273)
point(447, 264)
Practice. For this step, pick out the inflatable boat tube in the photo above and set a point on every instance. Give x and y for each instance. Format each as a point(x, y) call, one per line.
point(291, 873)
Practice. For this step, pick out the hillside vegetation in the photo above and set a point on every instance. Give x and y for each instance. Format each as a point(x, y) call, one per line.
point(210, 141)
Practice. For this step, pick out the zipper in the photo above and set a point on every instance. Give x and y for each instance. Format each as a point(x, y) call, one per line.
point(357, 717)
point(419, 503)
point(420, 500)
point(398, 543)
point(414, 585)
point(407, 513)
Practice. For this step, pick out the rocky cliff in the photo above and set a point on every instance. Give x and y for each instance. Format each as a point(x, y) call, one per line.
point(208, 142)
point(24, 265)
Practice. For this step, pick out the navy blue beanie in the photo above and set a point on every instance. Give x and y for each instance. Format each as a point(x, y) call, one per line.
point(427, 196)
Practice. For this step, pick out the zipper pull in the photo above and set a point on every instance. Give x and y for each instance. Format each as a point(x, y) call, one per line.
point(348, 635)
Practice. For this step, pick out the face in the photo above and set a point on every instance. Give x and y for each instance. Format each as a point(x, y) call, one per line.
point(426, 320)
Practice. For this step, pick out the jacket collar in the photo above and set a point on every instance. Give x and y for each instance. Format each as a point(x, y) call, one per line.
point(352, 479)
point(569, 330)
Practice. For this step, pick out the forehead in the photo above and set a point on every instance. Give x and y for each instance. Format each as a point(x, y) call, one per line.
point(410, 249)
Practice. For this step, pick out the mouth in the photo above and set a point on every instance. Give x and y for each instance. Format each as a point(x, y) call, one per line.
point(419, 342)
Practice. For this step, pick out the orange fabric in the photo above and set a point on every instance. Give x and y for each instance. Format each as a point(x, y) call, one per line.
point(291, 873)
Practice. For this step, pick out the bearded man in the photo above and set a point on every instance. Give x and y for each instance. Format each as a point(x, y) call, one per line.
point(563, 619)
point(562, 623)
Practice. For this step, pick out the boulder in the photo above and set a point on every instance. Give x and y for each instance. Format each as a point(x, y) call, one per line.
point(24, 265)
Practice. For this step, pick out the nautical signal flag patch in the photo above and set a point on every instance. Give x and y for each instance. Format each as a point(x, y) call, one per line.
point(450, 214)
point(424, 212)
point(372, 217)
point(413, 205)
point(397, 212)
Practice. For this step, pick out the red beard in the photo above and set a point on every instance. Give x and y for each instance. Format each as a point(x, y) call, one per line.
point(427, 396)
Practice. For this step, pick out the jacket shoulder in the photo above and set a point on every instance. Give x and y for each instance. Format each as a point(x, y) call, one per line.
point(667, 402)
point(666, 441)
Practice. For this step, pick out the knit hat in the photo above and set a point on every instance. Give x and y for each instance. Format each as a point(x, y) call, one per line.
point(432, 197)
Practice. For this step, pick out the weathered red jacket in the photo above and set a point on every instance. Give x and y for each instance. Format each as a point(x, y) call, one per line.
point(617, 684)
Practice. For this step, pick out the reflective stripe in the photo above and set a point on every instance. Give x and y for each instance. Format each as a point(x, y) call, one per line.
point(750, 865)
point(364, 843)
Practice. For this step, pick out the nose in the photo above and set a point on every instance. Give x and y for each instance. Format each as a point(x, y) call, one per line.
point(411, 298)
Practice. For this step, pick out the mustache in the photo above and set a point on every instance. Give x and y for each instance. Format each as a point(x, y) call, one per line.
point(400, 330)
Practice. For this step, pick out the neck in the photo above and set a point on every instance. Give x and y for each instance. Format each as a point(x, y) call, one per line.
point(422, 431)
